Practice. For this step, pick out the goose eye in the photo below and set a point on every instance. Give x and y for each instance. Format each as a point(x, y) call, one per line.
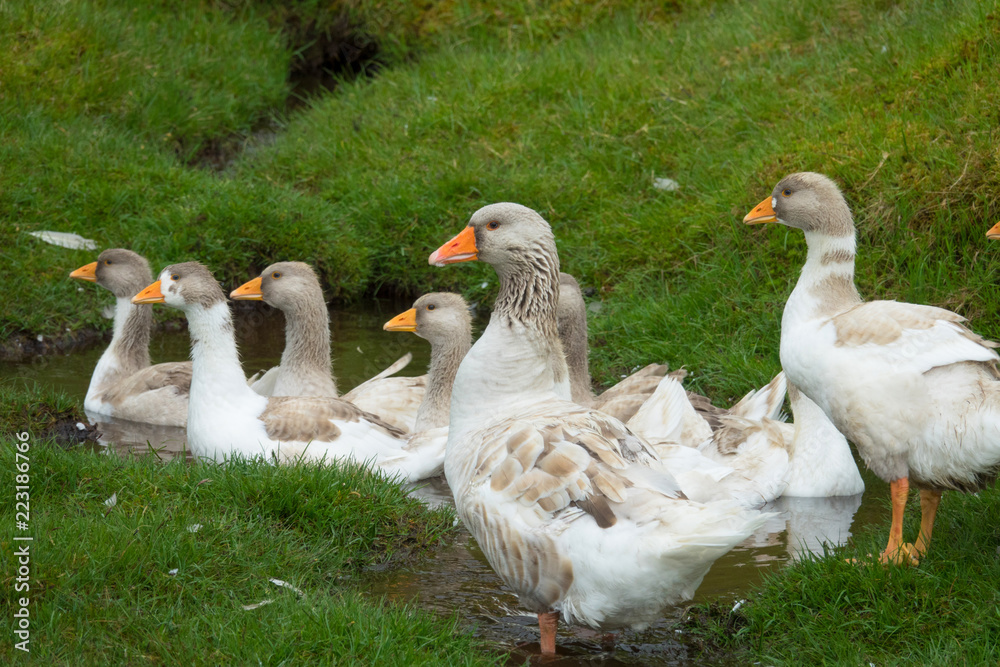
point(276, 274)
point(786, 193)
point(175, 276)
point(492, 224)
point(431, 306)
point(107, 262)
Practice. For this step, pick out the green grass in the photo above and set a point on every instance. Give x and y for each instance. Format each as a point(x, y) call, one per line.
point(103, 591)
point(577, 128)
point(828, 611)
point(33, 407)
point(570, 109)
point(574, 117)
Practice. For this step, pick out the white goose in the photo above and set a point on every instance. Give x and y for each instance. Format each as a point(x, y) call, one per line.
point(226, 417)
point(124, 385)
point(575, 513)
point(910, 385)
point(304, 370)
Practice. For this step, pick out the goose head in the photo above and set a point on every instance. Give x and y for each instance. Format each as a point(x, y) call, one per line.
point(435, 317)
point(807, 201)
point(284, 285)
point(120, 271)
point(183, 286)
point(510, 237)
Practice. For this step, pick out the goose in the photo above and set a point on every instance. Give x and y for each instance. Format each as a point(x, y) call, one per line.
point(574, 512)
point(227, 418)
point(913, 388)
point(304, 370)
point(124, 385)
point(443, 320)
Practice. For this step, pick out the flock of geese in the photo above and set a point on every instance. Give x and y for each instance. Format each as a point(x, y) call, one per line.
point(602, 509)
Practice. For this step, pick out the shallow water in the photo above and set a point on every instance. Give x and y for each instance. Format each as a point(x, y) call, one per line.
point(360, 349)
point(457, 578)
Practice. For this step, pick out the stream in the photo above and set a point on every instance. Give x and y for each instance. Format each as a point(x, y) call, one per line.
point(457, 579)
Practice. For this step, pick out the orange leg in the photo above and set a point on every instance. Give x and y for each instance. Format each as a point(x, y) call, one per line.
point(896, 551)
point(928, 510)
point(547, 623)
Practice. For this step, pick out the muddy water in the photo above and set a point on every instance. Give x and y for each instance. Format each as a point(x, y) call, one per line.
point(458, 579)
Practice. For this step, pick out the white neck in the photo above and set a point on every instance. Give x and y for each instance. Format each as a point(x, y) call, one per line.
point(826, 284)
point(510, 365)
point(223, 410)
point(215, 359)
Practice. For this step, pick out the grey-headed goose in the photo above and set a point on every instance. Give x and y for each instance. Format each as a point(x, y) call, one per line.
point(124, 384)
point(913, 388)
point(293, 288)
point(574, 512)
point(443, 319)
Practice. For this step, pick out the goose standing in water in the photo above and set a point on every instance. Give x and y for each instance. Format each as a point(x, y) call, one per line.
point(574, 512)
point(910, 385)
point(226, 417)
point(304, 370)
point(124, 385)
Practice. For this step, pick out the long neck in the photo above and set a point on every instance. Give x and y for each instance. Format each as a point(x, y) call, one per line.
point(826, 285)
point(131, 335)
point(129, 348)
point(307, 344)
point(446, 356)
point(215, 360)
point(573, 334)
point(518, 359)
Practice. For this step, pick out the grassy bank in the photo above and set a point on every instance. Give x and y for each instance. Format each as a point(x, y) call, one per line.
point(574, 112)
point(828, 611)
point(167, 571)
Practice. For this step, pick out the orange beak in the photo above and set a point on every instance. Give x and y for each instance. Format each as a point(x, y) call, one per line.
point(763, 212)
point(151, 294)
point(993, 234)
point(248, 291)
point(462, 248)
point(403, 322)
point(87, 272)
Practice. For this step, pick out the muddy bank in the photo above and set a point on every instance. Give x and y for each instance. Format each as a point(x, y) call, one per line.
point(23, 347)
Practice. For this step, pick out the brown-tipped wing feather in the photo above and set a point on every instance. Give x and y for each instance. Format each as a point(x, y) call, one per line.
point(883, 322)
point(307, 418)
point(175, 375)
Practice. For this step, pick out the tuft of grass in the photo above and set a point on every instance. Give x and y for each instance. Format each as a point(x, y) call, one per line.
point(829, 611)
point(163, 573)
point(34, 407)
